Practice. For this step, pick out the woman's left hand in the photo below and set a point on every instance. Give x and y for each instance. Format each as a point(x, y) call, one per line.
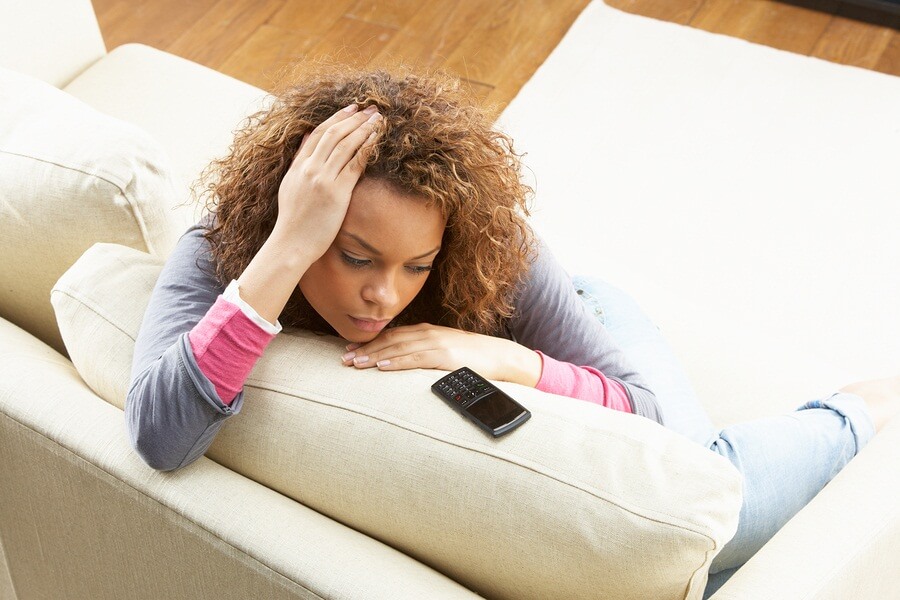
point(426, 346)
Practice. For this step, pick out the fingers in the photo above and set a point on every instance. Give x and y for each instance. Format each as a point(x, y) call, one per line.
point(354, 166)
point(388, 361)
point(311, 139)
point(423, 360)
point(340, 142)
point(404, 347)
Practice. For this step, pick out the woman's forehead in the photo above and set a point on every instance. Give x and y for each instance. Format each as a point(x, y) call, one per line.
point(388, 219)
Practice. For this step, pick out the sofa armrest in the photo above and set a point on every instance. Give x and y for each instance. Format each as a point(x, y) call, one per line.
point(82, 515)
point(53, 40)
point(843, 544)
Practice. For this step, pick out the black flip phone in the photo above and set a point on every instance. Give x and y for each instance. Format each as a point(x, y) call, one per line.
point(481, 401)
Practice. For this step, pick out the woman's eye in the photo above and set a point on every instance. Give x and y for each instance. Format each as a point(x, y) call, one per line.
point(354, 262)
point(420, 269)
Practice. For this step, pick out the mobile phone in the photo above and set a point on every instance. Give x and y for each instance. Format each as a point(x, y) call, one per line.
point(481, 401)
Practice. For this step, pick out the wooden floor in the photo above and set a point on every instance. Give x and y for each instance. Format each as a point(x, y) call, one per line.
point(494, 45)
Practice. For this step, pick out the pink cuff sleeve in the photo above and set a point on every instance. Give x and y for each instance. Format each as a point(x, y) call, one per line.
point(226, 344)
point(582, 383)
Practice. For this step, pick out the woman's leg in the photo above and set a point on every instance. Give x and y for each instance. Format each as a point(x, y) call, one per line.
point(785, 460)
point(650, 354)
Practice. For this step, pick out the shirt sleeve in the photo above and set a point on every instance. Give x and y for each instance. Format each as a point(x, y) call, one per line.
point(551, 318)
point(228, 341)
point(173, 411)
point(582, 383)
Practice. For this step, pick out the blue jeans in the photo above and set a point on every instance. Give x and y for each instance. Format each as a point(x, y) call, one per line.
point(784, 460)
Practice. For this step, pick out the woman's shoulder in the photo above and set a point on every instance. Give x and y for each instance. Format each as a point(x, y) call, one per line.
point(191, 262)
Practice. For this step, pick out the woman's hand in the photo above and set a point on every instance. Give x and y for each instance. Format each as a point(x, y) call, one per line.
point(426, 346)
point(315, 192)
point(312, 202)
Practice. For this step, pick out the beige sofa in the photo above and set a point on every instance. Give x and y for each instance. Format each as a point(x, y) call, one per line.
point(331, 484)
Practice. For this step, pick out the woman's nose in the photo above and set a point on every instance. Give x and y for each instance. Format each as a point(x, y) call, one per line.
point(382, 290)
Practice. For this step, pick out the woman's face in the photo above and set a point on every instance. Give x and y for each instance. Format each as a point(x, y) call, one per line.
point(378, 262)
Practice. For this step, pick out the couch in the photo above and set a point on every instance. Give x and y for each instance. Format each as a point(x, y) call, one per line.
point(756, 224)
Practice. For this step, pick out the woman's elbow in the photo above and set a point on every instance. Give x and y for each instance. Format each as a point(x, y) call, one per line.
point(147, 439)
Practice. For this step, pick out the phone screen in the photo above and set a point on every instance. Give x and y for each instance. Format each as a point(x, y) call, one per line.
point(495, 409)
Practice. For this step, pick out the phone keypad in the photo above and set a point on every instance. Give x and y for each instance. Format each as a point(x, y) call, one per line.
point(463, 386)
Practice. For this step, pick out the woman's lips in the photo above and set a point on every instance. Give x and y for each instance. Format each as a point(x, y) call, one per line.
point(368, 324)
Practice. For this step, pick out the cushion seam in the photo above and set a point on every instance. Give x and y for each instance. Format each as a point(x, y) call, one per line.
point(142, 226)
point(91, 306)
point(322, 399)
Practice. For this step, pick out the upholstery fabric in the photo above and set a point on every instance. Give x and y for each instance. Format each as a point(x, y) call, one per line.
point(574, 504)
point(745, 197)
point(843, 544)
point(70, 176)
point(62, 38)
point(7, 592)
point(192, 110)
point(84, 519)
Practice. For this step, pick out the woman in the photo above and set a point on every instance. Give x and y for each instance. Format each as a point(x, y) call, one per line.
point(385, 210)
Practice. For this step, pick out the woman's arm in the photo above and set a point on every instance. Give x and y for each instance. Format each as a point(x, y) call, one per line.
point(550, 321)
point(173, 408)
point(551, 318)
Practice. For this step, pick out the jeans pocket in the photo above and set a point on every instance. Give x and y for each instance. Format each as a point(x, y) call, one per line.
point(583, 289)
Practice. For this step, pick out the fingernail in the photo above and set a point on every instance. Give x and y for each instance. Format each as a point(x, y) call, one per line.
point(348, 356)
point(370, 109)
point(382, 363)
point(360, 360)
point(353, 346)
point(351, 108)
point(374, 118)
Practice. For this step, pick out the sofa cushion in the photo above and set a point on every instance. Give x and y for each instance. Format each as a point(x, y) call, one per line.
point(69, 177)
point(579, 502)
point(745, 196)
point(190, 109)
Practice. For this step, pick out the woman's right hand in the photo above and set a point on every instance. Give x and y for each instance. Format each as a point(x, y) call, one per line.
point(315, 192)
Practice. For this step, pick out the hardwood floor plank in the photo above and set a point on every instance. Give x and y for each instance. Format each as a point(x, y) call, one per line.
point(158, 23)
point(889, 62)
point(478, 91)
point(390, 13)
point(269, 56)
point(510, 44)
point(852, 42)
point(222, 30)
point(434, 33)
point(494, 45)
point(768, 22)
point(674, 11)
point(485, 51)
point(314, 17)
point(352, 42)
point(513, 36)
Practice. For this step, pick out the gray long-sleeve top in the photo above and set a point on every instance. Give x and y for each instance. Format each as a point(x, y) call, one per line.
point(173, 411)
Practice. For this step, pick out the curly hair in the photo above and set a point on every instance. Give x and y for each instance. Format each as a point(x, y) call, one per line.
point(433, 142)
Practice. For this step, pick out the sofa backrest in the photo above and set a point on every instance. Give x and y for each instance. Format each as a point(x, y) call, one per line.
point(745, 196)
point(53, 40)
point(69, 177)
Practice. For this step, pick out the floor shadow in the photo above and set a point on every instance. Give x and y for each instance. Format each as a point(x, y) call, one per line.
point(876, 12)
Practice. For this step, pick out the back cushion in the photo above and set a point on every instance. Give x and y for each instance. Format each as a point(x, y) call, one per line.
point(70, 176)
point(579, 502)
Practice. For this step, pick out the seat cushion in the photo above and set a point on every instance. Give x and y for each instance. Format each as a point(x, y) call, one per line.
point(745, 196)
point(579, 502)
point(190, 109)
point(70, 176)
